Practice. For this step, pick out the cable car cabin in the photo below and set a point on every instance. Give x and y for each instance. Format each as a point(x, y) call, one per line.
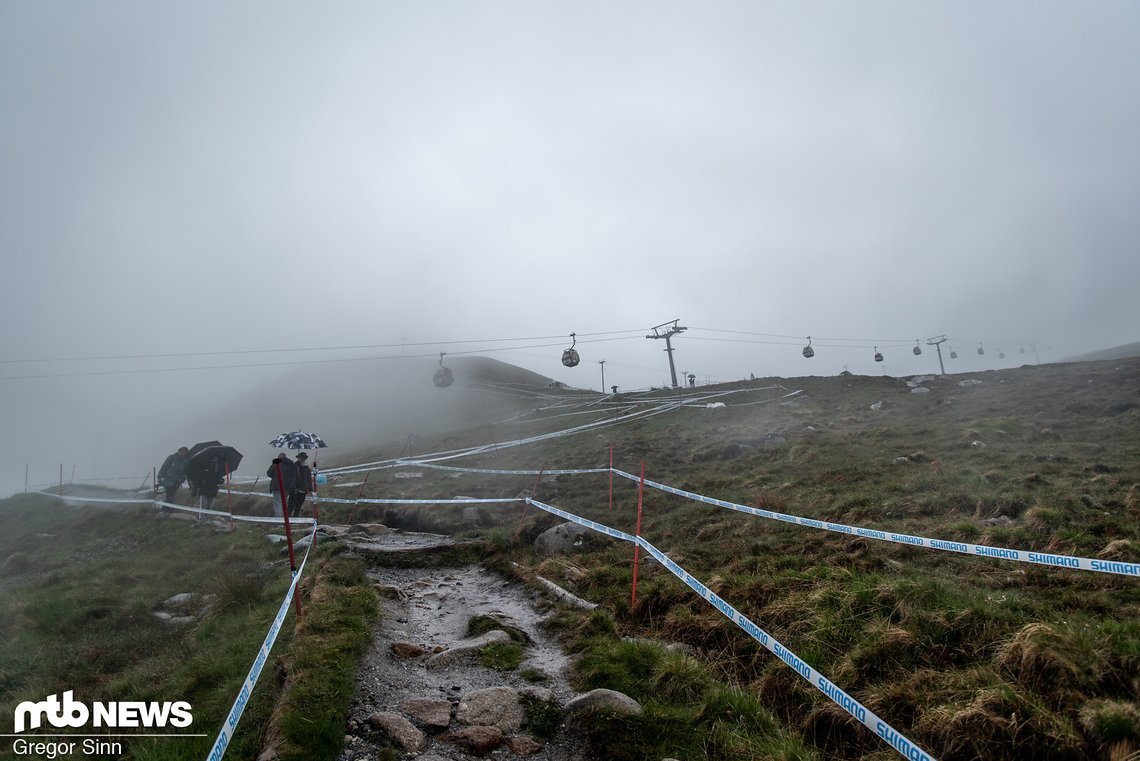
point(809, 352)
point(953, 354)
point(878, 355)
point(981, 351)
point(1001, 355)
point(917, 349)
point(570, 358)
point(443, 377)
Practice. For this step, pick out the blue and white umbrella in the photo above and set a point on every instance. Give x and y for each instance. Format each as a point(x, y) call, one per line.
point(298, 440)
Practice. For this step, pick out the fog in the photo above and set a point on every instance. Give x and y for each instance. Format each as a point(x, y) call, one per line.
point(202, 203)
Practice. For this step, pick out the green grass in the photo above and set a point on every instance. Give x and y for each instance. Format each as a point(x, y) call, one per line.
point(969, 657)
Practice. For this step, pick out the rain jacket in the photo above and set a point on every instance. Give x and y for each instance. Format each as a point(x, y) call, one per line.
point(205, 477)
point(304, 483)
point(173, 471)
point(288, 475)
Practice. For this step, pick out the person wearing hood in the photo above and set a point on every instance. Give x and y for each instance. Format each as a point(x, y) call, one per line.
point(173, 473)
point(302, 486)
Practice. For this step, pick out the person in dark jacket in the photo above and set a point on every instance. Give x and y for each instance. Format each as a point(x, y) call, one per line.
point(173, 473)
point(302, 487)
point(205, 476)
point(288, 475)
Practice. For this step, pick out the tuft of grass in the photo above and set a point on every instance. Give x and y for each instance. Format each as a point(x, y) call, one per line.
point(322, 661)
point(541, 717)
point(501, 656)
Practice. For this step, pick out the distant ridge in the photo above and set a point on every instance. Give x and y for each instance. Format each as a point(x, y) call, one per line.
point(1127, 351)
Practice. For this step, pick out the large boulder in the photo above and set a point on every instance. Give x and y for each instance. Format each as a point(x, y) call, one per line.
point(564, 538)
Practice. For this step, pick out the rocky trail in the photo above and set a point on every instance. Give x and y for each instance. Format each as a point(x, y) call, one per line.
point(423, 687)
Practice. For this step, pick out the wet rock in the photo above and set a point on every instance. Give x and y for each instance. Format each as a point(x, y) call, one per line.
point(468, 649)
point(427, 712)
point(400, 730)
point(389, 592)
point(920, 390)
point(494, 706)
point(407, 650)
point(523, 745)
point(478, 740)
point(603, 698)
point(565, 537)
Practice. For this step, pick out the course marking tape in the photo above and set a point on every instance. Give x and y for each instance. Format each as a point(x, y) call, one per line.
point(834, 693)
point(964, 548)
point(242, 699)
point(70, 498)
point(457, 469)
point(339, 501)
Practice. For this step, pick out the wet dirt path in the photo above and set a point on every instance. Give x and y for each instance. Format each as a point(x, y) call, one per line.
point(430, 608)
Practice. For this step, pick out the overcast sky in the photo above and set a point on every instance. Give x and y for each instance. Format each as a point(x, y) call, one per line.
point(252, 176)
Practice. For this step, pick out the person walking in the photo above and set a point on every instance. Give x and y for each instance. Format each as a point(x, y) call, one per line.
point(172, 474)
point(303, 487)
point(288, 476)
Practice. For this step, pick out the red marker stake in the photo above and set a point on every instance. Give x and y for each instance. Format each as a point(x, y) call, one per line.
point(288, 536)
point(637, 547)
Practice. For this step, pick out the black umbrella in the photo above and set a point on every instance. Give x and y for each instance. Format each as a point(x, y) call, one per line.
point(202, 456)
point(298, 440)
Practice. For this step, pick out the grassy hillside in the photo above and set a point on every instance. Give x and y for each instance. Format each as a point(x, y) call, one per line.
point(969, 657)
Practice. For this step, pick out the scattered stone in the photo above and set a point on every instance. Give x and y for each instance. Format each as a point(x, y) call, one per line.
point(877, 405)
point(523, 745)
point(774, 440)
point(494, 706)
point(427, 712)
point(389, 592)
point(402, 731)
point(276, 538)
point(603, 698)
point(407, 650)
point(978, 444)
point(969, 382)
point(1001, 520)
point(1118, 549)
point(478, 740)
point(901, 460)
point(920, 390)
point(467, 649)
